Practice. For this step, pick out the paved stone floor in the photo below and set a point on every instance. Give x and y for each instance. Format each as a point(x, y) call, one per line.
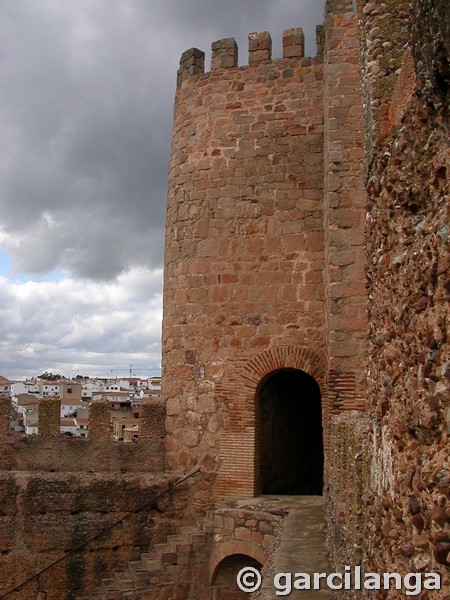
point(301, 547)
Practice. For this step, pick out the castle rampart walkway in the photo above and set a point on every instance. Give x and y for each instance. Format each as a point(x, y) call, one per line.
point(300, 546)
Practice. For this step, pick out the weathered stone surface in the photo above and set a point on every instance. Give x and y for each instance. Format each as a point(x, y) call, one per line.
point(405, 463)
point(63, 453)
point(49, 514)
point(265, 184)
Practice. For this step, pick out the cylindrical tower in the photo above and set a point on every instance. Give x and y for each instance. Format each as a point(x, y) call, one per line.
point(244, 256)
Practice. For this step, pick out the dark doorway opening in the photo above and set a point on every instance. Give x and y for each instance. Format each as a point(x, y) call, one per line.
point(289, 433)
point(224, 584)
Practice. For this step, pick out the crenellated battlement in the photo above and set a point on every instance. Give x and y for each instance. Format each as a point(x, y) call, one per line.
point(293, 43)
point(259, 47)
point(151, 423)
point(192, 65)
point(224, 53)
point(51, 450)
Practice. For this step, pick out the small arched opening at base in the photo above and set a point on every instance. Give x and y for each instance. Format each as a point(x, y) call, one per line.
point(289, 434)
point(224, 583)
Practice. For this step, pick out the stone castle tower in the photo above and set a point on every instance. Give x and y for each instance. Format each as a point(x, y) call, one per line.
point(305, 332)
point(264, 298)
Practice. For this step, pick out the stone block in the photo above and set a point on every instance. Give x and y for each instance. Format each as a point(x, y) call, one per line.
point(293, 43)
point(192, 65)
point(49, 417)
point(259, 47)
point(224, 54)
point(243, 534)
point(153, 415)
point(5, 411)
point(99, 420)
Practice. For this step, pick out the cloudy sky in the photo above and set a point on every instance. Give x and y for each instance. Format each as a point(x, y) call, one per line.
point(86, 101)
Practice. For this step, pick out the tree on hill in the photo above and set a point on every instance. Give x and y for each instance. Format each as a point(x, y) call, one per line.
point(50, 376)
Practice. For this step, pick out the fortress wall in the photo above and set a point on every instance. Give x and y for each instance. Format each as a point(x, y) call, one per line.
point(408, 272)
point(384, 36)
point(57, 491)
point(344, 204)
point(80, 455)
point(264, 271)
point(244, 240)
point(405, 483)
point(349, 460)
point(44, 515)
point(54, 452)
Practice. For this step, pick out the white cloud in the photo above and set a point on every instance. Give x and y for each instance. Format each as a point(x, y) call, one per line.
point(73, 326)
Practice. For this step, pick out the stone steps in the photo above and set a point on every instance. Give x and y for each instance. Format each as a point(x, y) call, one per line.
point(166, 566)
point(179, 567)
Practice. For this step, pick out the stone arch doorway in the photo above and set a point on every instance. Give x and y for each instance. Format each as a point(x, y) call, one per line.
point(289, 438)
point(224, 586)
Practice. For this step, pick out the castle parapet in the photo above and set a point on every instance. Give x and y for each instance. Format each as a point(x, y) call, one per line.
point(259, 47)
point(152, 419)
point(192, 65)
point(5, 407)
point(99, 418)
point(224, 54)
point(49, 417)
point(293, 43)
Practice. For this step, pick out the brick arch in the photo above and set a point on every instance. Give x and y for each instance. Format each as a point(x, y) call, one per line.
point(285, 357)
point(226, 549)
point(237, 476)
point(243, 376)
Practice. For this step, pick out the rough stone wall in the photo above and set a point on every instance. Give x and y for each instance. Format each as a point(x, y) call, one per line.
point(384, 35)
point(404, 491)
point(346, 485)
point(44, 515)
point(430, 41)
point(57, 491)
point(409, 371)
point(244, 250)
point(243, 531)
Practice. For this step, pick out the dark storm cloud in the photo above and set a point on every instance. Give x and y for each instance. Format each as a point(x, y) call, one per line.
point(84, 184)
point(86, 104)
point(237, 19)
point(86, 117)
